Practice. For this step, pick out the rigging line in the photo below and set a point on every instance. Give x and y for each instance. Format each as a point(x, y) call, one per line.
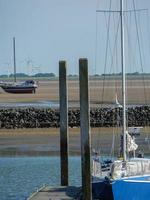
point(144, 80)
point(112, 62)
point(106, 52)
point(148, 28)
point(129, 45)
point(128, 39)
point(96, 40)
point(97, 145)
point(115, 52)
point(115, 44)
point(113, 55)
point(133, 60)
point(131, 55)
point(115, 137)
point(96, 37)
point(109, 45)
point(112, 52)
point(117, 62)
point(141, 36)
point(136, 24)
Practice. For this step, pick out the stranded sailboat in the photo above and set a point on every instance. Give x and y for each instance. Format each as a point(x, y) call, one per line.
point(127, 178)
point(28, 86)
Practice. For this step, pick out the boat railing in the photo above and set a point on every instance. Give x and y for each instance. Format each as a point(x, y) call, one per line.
point(134, 167)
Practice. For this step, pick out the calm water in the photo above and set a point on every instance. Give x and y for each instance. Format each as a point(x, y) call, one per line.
point(21, 176)
point(41, 104)
point(48, 104)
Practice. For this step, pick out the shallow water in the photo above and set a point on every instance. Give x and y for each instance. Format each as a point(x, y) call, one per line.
point(41, 104)
point(53, 104)
point(21, 176)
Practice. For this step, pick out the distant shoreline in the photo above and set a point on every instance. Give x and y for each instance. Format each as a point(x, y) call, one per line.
point(52, 76)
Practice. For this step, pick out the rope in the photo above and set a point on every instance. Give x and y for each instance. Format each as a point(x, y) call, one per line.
point(140, 53)
point(96, 36)
point(106, 52)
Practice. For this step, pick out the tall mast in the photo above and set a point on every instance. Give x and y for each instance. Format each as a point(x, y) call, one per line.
point(14, 53)
point(123, 79)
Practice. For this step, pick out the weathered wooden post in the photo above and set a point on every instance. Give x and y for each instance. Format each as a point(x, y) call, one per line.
point(63, 96)
point(85, 130)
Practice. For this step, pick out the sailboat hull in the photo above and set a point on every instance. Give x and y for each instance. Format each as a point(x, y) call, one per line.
point(132, 188)
point(19, 90)
point(102, 190)
point(135, 188)
point(29, 86)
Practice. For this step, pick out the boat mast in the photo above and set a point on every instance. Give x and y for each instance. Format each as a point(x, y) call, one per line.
point(14, 53)
point(123, 79)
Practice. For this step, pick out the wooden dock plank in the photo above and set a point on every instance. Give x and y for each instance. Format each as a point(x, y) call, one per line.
point(56, 193)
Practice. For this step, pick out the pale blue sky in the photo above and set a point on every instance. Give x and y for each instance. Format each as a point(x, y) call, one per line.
point(47, 31)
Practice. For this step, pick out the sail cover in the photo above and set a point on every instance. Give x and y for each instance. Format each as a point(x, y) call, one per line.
point(133, 167)
point(134, 130)
point(96, 167)
point(131, 145)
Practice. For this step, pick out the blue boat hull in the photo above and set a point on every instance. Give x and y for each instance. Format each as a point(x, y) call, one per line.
point(136, 188)
point(102, 190)
point(132, 188)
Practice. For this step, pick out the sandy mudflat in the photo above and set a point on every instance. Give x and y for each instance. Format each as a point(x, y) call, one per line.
point(46, 141)
point(49, 91)
point(42, 141)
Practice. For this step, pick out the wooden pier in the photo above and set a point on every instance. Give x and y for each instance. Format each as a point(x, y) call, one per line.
point(64, 191)
point(56, 193)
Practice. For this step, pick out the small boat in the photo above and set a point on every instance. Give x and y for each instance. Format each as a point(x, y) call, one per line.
point(126, 177)
point(28, 86)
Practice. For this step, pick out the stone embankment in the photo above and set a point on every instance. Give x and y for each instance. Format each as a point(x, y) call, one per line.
point(44, 118)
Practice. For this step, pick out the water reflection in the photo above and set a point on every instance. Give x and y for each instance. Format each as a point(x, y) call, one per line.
point(21, 176)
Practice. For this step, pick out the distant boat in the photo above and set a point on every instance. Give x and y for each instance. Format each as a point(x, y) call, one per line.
point(28, 86)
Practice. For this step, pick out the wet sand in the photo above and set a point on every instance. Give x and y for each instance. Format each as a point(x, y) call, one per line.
point(46, 141)
point(49, 91)
point(43, 142)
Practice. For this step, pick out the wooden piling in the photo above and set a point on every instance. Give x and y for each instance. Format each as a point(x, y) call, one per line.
point(63, 122)
point(63, 192)
point(85, 130)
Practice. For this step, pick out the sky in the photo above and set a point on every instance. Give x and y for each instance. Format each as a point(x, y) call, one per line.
point(47, 31)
